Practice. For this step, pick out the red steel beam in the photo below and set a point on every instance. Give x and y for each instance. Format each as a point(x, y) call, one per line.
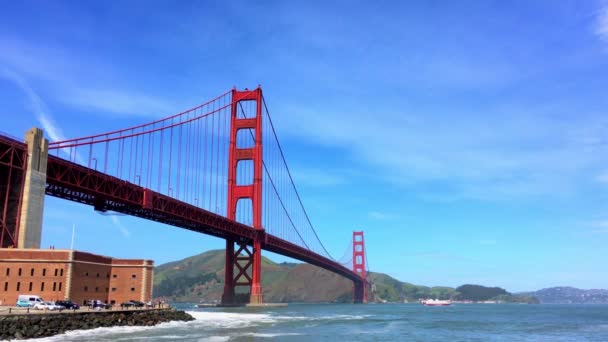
point(84, 185)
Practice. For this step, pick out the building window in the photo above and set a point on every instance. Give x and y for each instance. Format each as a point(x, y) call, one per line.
point(8, 271)
point(86, 288)
point(6, 286)
point(108, 275)
point(114, 276)
point(19, 272)
point(132, 289)
point(113, 289)
point(59, 286)
point(112, 302)
point(54, 286)
point(42, 286)
point(56, 271)
point(133, 276)
point(18, 285)
point(97, 289)
point(32, 272)
point(44, 272)
point(86, 274)
point(31, 285)
point(97, 275)
point(107, 289)
point(61, 272)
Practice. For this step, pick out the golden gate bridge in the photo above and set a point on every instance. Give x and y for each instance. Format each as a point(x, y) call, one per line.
point(217, 169)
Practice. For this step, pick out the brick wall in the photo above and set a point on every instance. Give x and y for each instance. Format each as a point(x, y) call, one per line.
point(92, 276)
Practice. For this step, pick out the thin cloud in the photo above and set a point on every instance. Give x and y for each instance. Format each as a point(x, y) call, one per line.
point(38, 107)
point(601, 28)
point(601, 227)
point(63, 73)
point(603, 177)
point(509, 152)
point(377, 215)
point(319, 177)
point(123, 230)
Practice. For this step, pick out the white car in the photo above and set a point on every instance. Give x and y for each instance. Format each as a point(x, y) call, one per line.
point(48, 306)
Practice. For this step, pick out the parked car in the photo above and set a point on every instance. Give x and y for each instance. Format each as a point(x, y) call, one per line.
point(95, 303)
point(127, 304)
point(68, 304)
point(48, 305)
point(138, 304)
point(28, 300)
point(132, 303)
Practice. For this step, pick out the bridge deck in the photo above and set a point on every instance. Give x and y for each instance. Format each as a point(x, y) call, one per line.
point(78, 183)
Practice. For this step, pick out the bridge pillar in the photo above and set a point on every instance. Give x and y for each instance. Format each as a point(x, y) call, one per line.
point(252, 192)
point(32, 206)
point(228, 295)
point(359, 295)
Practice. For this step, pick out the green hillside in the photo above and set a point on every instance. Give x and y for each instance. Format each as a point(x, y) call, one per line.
point(200, 278)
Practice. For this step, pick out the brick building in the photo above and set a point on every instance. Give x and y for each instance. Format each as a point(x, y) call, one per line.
point(69, 274)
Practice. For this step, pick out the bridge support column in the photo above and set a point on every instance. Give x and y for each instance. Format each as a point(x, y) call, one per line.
point(228, 296)
point(30, 224)
point(256, 288)
point(359, 292)
point(252, 191)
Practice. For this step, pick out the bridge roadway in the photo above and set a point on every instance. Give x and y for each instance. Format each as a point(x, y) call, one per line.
point(81, 184)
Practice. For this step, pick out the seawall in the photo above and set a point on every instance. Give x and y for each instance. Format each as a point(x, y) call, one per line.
point(20, 326)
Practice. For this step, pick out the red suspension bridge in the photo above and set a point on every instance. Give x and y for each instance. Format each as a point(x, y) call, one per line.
point(216, 169)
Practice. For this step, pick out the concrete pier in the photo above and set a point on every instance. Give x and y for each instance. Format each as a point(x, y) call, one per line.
point(30, 226)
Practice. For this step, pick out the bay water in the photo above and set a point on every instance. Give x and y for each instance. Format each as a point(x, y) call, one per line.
point(371, 322)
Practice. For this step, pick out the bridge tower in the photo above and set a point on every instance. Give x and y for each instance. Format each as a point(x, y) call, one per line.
point(359, 267)
point(30, 223)
point(252, 257)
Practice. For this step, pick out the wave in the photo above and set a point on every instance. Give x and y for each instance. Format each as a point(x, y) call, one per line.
point(207, 321)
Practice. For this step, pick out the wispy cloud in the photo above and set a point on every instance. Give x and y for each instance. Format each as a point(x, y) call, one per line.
point(38, 107)
point(603, 177)
point(508, 152)
point(381, 216)
point(80, 81)
point(601, 25)
point(321, 177)
point(123, 230)
point(601, 226)
point(35, 104)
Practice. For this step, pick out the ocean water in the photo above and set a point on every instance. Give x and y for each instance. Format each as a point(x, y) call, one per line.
point(372, 322)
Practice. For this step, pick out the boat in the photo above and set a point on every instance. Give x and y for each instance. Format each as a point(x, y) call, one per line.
point(436, 302)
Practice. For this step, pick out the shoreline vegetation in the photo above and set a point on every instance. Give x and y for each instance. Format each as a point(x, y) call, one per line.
point(199, 278)
point(36, 325)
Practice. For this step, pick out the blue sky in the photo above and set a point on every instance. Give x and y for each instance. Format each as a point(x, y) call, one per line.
point(468, 139)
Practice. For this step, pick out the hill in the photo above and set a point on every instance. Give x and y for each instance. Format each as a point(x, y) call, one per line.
point(570, 295)
point(200, 277)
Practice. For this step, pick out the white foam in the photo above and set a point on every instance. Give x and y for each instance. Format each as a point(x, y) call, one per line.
point(271, 334)
point(215, 339)
point(203, 319)
point(220, 319)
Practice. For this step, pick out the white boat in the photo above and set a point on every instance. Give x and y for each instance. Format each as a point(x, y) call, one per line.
point(436, 302)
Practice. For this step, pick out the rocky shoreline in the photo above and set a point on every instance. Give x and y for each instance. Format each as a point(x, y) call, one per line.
point(33, 326)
